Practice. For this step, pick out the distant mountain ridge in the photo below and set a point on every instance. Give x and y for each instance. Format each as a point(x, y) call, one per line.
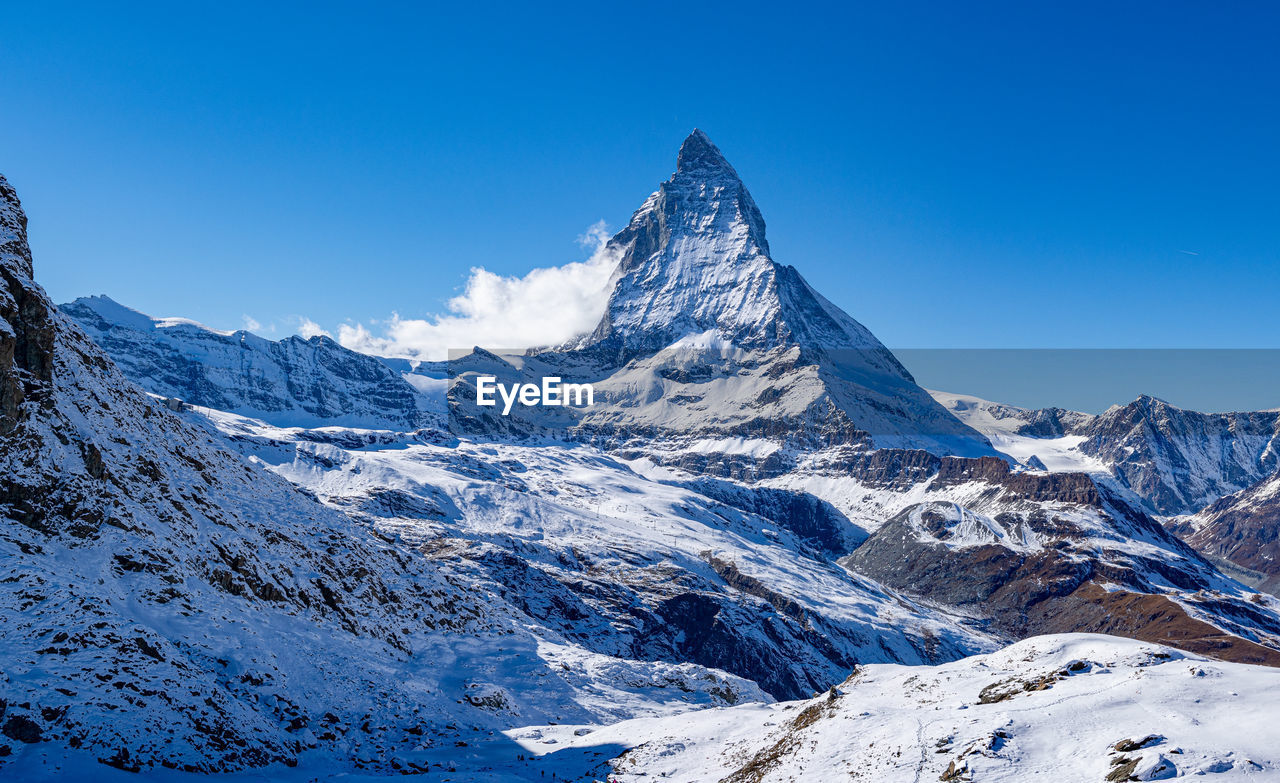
point(290, 382)
point(1180, 460)
point(1177, 461)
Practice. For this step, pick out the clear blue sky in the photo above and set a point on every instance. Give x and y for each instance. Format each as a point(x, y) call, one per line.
point(953, 174)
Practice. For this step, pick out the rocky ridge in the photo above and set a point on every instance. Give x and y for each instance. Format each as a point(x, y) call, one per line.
point(291, 382)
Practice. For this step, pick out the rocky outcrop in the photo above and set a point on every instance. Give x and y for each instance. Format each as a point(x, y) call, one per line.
point(815, 521)
point(26, 330)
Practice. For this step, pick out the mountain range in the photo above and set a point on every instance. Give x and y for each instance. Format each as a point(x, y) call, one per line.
point(225, 552)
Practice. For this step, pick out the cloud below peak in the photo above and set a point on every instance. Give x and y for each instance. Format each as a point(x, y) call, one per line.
point(546, 306)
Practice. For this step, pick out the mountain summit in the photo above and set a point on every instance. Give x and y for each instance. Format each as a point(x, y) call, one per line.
point(694, 260)
point(707, 336)
point(698, 152)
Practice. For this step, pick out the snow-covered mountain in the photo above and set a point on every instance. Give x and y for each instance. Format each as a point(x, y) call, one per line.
point(706, 337)
point(694, 259)
point(997, 532)
point(291, 382)
point(169, 601)
point(1176, 461)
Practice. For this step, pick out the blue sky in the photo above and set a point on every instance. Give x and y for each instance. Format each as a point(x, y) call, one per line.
point(1092, 175)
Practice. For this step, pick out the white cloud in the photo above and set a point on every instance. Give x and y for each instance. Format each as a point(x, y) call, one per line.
point(595, 236)
point(250, 323)
point(308, 328)
point(544, 307)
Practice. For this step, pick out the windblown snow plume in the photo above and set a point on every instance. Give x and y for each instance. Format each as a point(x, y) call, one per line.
point(546, 306)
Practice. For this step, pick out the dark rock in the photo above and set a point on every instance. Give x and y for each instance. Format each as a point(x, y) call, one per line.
point(22, 729)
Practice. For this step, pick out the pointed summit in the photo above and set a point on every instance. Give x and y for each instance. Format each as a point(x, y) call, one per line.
point(699, 155)
point(694, 271)
point(694, 259)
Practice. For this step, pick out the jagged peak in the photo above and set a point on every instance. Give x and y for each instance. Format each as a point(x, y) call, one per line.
point(698, 155)
point(1151, 402)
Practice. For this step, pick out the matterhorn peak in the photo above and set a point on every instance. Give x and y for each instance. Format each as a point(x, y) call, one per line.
point(700, 157)
point(694, 260)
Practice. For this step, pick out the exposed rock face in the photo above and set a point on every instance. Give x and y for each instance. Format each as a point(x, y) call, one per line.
point(26, 334)
point(1052, 422)
point(1179, 461)
point(1243, 529)
point(722, 619)
point(292, 382)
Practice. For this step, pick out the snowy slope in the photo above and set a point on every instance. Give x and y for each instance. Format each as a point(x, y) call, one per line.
point(1041, 439)
point(696, 571)
point(1072, 707)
